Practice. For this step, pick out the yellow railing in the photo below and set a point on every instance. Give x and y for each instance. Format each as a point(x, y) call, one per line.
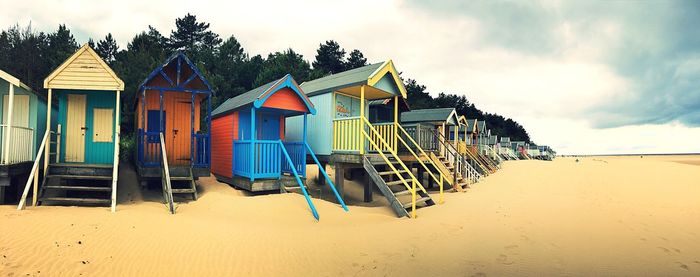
point(346, 136)
point(386, 131)
point(462, 147)
point(383, 144)
point(423, 154)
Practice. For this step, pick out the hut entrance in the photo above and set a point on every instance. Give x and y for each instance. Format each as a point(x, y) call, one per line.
point(75, 128)
point(178, 141)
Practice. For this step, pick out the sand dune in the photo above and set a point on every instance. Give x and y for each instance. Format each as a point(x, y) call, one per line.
point(600, 216)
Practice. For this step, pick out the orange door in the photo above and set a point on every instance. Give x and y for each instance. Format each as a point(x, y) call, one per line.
point(180, 131)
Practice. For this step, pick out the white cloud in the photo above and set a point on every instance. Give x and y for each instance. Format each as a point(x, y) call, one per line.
point(551, 94)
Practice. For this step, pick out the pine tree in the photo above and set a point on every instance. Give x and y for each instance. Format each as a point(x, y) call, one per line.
point(355, 59)
point(192, 36)
point(61, 46)
point(91, 43)
point(107, 49)
point(329, 58)
point(280, 63)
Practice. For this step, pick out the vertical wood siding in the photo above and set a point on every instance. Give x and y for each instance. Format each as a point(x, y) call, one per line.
point(222, 136)
point(285, 99)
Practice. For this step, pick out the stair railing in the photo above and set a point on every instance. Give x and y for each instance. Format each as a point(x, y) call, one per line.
point(325, 175)
point(423, 154)
point(167, 187)
point(33, 174)
point(414, 182)
point(296, 176)
point(460, 162)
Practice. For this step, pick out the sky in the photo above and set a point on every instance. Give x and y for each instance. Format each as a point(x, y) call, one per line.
point(585, 77)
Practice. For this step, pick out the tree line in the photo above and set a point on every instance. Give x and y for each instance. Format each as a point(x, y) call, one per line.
point(31, 55)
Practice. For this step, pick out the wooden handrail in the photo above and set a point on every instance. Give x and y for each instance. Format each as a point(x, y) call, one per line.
point(167, 188)
point(442, 177)
point(35, 166)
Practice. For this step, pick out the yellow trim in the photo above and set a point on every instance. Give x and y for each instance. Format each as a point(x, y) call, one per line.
point(387, 67)
point(362, 116)
point(72, 58)
point(442, 176)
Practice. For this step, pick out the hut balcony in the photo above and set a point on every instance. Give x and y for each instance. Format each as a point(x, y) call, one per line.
point(267, 159)
point(149, 150)
point(20, 146)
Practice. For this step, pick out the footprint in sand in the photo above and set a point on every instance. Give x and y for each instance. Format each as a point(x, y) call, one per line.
point(683, 266)
point(511, 247)
point(665, 250)
point(677, 250)
point(478, 274)
point(503, 259)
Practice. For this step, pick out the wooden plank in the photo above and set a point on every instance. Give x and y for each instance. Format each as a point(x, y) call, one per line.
point(76, 200)
point(81, 188)
point(79, 177)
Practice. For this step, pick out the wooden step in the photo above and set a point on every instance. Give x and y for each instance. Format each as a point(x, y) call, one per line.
point(384, 173)
point(418, 201)
point(182, 191)
point(403, 192)
point(81, 165)
point(79, 177)
point(76, 200)
point(80, 188)
point(184, 178)
point(399, 182)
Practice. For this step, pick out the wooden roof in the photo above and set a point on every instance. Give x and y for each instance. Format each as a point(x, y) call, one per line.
point(348, 81)
point(84, 70)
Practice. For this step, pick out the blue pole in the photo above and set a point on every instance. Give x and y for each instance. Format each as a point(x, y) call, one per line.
point(301, 185)
point(252, 144)
point(323, 171)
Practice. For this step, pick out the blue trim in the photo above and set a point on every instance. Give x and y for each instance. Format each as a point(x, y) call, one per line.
point(286, 82)
point(252, 144)
point(180, 56)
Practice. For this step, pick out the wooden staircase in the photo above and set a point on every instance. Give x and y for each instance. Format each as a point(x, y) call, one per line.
point(489, 163)
point(77, 184)
point(182, 182)
point(400, 197)
point(459, 183)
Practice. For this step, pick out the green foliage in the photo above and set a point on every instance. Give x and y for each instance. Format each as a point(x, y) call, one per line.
point(107, 49)
point(330, 58)
point(279, 64)
point(127, 147)
point(355, 59)
point(31, 56)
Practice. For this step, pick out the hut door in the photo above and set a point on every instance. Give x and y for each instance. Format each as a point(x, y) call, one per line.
point(75, 128)
point(179, 150)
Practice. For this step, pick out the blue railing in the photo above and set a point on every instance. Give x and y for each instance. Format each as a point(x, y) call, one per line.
point(202, 150)
point(297, 152)
point(148, 144)
point(267, 160)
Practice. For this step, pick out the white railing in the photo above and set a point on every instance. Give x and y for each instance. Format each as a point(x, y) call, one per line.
point(20, 146)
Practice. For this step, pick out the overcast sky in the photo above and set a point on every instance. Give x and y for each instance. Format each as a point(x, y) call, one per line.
point(585, 77)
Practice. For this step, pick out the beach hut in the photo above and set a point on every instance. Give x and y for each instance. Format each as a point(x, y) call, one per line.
point(169, 115)
point(341, 132)
point(85, 171)
point(23, 127)
point(251, 149)
point(435, 130)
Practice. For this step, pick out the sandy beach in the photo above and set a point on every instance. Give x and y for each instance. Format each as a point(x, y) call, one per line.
point(610, 216)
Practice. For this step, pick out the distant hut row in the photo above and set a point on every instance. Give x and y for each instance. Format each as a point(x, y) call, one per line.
point(67, 151)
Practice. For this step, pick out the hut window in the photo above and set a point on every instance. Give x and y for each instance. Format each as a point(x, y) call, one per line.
point(346, 106)
point(102, 125)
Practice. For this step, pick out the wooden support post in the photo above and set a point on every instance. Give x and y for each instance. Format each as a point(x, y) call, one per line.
point(321, 180)
point(368, 188)
point(340, 180)
point(8, 125)
point(362, 122)
point(117, 133)
point(396, 122)
point(252, 144)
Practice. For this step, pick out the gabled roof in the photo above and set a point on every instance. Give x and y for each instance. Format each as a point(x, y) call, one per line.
point(179, 80)
point(448, 115)
point(471, 125)
point(259, 95)
point(84, 70)
point(367, 75)
point(481, 126)
point(14, 81)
